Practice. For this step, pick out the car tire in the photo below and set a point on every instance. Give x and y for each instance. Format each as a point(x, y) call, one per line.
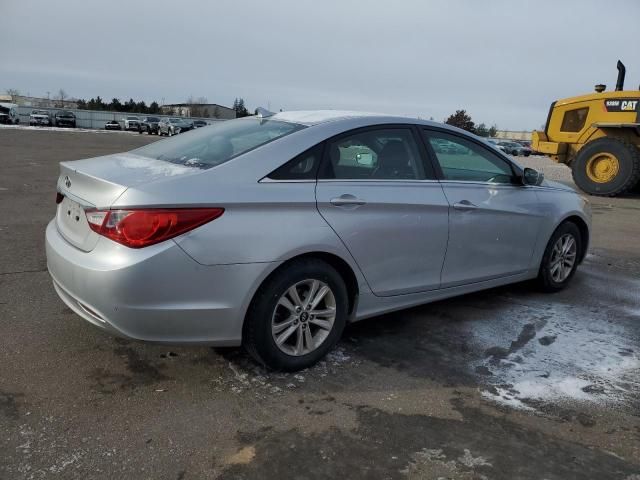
point(558, 267)
point(627, 172)
point(170, 132)
point(264, 320)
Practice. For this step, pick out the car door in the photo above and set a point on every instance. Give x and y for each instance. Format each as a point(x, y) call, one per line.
point(381, 198)
point(494, 219)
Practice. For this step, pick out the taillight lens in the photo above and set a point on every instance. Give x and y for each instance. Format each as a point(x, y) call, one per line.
point(141, 228)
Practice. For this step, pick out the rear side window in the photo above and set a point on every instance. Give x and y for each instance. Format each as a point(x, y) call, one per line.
point(374, 154)
point(574, 120)
point(208, 147)
point(303, 167)
point(463, 160)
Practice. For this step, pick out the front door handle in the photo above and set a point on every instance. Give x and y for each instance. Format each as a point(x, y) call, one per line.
point(347, 200)
point(464, 205)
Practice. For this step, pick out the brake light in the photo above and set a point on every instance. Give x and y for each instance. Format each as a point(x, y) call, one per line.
point(144, 227)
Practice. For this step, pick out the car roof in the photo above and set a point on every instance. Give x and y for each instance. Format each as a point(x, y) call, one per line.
point(318, 117)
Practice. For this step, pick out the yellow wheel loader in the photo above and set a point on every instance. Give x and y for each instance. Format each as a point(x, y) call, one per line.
point(598, 136)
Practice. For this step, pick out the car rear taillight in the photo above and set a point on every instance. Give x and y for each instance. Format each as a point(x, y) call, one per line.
point(143, 227)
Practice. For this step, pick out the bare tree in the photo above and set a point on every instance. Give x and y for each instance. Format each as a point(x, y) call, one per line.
point(195, 105)
point(13, 92)
point(62, 95)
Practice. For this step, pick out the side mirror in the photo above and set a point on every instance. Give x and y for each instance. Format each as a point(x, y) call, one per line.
point(532, 177)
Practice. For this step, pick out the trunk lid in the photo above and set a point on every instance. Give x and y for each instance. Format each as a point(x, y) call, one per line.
point(98, 183)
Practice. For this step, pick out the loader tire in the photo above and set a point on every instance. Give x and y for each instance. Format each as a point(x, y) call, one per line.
point(607, 167)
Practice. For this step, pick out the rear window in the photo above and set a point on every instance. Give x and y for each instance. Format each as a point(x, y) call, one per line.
point(208, 147)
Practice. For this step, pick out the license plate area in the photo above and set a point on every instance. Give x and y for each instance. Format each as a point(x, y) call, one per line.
point(73, 225)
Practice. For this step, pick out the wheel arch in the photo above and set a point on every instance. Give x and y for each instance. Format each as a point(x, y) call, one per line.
point(584, 233)
point(341, 265)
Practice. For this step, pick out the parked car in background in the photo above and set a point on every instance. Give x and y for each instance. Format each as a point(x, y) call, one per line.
point(357, 214)
point(112, 125)
point(495, 143)
point(65, 118)
point(9, 114)
point(514, 148)
point(149, 125)
point(199, 123)
point(131, 122)
point(173, 126)
point(39, 118)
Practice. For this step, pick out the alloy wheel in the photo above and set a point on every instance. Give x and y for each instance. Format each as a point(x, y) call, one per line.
point(303, 317)
point(563, 258)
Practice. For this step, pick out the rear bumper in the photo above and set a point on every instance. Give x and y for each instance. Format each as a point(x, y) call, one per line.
point(156, 294)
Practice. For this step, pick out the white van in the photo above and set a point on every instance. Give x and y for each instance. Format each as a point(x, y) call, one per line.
point(9, 114)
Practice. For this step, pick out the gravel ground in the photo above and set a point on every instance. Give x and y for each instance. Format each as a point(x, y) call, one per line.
point(552, 170)
point(502, 384)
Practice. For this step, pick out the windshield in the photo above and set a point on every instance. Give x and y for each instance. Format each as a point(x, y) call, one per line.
point(39, 112)
point(208, 147)
point(65, 113)
point(174, 120)
point(152, 119)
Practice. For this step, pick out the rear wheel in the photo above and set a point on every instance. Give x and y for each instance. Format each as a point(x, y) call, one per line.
point(607, 167)
point(297, 316)
point(560, 259)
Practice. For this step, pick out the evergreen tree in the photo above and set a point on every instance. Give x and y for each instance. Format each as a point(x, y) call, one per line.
point(154, 107)
point(115, 105)
point(493, 130)
point(482, 130)
point(462, 120)
point(130, 106)
point(239, 107)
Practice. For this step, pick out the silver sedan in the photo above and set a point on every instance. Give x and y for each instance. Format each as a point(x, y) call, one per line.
point(274, 231)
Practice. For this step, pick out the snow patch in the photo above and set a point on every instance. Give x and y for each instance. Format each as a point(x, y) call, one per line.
point(154, 167)
point(590, 359)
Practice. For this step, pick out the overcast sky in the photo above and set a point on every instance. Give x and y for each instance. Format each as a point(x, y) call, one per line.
point(503, 61)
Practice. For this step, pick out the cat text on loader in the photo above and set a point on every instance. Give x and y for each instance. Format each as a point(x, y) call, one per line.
point(598, 136)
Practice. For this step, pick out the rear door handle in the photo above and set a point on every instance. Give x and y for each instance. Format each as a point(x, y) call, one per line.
point(347, 200)
point(464, 205)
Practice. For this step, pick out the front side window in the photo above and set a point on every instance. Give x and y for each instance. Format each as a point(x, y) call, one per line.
point(463, 160)
point(574, 120)
point(380, 154)
point(208, 147)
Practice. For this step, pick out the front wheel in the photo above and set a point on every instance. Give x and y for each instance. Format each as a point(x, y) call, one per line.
point(607, 166)
point(560, 259)
point(297, 316)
